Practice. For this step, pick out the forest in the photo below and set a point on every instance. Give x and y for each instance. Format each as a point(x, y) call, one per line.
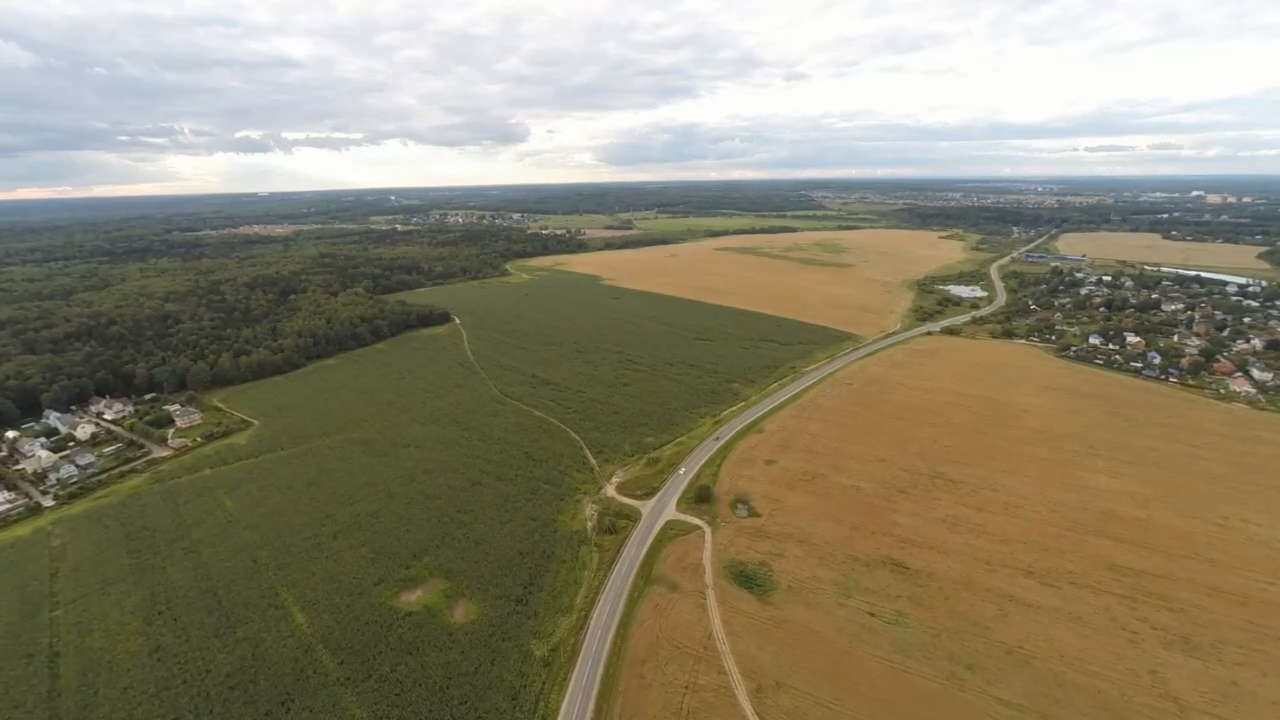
point(130, 309)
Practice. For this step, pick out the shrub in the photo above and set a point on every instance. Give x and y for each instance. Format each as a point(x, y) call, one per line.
point(703, 494)
point(755, 578)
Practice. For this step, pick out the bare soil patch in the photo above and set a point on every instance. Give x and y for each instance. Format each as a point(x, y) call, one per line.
point(428, 593)
point(1152, 248)
point(670, 668)
point(854, 280)
point(461, 611)
point(969, 529)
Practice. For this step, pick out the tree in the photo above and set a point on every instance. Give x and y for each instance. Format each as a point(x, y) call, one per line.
point(10, 416)
point(1272, 344)
point(703, 494)
point(1194, 365)
point(199, 377)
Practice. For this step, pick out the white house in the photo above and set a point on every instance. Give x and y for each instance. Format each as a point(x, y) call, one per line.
point(114, 409)
point(83, 430)
point(28, 447)
point(185, 417)
point(1262, 376)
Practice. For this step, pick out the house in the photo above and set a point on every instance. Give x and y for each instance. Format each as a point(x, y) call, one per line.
point(1233, 288)
point(83, 430)
point(1241, 384)
point(1095, 339)
point(185, 417)
point(95, 404)
point(1251, 303)
point(63, 471)
point(1135, 342)
point(1225, 367)
point(42, 460)
point(59, 421)
point(114, 409)
point(1261, 375)
point(1153, 357)
point(28, 447)
point(177, 443)
point(1170, 306)
point(84, 459)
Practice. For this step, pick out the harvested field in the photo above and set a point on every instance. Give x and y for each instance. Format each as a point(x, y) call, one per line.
point(854, 280)
point(670, 668)
point(975, 529)
point(1151, 248)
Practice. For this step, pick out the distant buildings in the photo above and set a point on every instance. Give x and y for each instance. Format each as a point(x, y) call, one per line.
point(1050, 257)
point(185, 417)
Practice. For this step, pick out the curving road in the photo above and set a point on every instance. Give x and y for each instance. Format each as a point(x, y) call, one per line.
point(584, 683)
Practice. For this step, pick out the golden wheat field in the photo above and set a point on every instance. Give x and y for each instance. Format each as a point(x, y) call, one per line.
point(1151, 248)
point(975, 529)
point(854, 280)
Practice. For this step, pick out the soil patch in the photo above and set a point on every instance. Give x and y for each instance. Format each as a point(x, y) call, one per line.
point(854, 280)
point(1152, 248)
point(975, 529)
point(415, 598)
point(461, 611)
point(670, 668)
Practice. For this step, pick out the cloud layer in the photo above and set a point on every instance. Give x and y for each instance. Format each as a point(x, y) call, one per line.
point(240, 95)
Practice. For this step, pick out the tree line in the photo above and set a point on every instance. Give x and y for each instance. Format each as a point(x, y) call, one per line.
point(134, 310)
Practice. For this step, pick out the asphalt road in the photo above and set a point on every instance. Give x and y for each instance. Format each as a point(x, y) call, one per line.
point(584, 683)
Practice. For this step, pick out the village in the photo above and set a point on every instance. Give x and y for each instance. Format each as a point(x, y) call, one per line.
point(1204, 330)
point(63, 455)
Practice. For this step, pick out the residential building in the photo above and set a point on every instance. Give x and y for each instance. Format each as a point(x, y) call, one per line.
point(1242, 385)
point(185, 417)
point(1225, 367)
point(1261, 375)
point(83, 430)
point(28, 447)
point(83, 458)
point(63, 471)
point(59, 421)
point(114, 409)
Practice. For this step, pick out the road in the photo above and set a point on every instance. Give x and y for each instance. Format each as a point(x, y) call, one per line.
point(584, 683)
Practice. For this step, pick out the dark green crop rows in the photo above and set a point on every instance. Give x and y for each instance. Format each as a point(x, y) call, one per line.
point(253, 579)
point(628, 370)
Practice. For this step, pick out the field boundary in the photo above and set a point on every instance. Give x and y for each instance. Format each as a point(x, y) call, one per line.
point(466, 344)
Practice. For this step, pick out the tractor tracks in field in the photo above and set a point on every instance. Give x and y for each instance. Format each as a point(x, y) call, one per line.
point(586, 451)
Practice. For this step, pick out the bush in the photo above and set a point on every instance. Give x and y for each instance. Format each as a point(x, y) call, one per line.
point(755, 578)
point(703, 495)
point(159, 420)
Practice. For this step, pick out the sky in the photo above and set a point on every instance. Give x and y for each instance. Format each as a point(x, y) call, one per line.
point(169, 96)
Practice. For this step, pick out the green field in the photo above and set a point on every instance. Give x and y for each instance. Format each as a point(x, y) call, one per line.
point(735, 222)
point(270, 575)
point(628, 370)
point(251, 580)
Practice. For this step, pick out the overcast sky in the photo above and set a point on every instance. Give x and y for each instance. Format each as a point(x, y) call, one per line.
point(145, 96)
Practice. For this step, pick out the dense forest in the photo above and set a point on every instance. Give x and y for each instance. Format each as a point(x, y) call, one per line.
point(130, 309)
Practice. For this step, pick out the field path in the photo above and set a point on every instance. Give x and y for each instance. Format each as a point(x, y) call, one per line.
point(584, 681)
point(585, 450)
point(713, 610)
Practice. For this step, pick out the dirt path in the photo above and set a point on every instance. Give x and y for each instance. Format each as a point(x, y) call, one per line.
point(218, 404)
point(717, 627)
point(585, 450)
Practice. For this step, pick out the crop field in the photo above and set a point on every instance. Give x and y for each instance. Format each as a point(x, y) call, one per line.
point(733, 222)
point(670, 667)
point(627, 370)
point(1152, 248)
point(854, 280)
point(259, 578)
point(975, 529)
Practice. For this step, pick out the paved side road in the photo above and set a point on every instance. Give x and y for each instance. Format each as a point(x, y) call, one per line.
point(584, 683)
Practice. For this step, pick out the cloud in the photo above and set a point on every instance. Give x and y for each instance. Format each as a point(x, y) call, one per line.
point(190, 88)
point(1110, 148)
point(13, 56)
